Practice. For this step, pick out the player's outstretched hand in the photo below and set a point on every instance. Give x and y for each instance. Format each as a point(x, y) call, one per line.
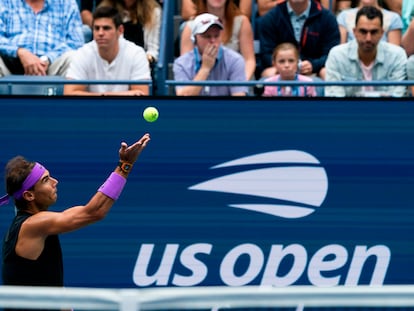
point(130, 153)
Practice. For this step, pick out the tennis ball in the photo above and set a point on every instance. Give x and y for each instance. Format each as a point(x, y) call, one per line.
point(150, 114)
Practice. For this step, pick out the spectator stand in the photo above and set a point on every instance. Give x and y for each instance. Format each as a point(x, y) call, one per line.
point(50, 85)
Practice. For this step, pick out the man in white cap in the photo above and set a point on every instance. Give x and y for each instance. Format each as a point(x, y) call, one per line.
point(209, 61)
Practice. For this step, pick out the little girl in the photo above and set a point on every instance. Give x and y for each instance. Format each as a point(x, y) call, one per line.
point(286, 60)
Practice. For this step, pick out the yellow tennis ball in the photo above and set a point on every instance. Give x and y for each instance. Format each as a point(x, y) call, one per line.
point(150, 114)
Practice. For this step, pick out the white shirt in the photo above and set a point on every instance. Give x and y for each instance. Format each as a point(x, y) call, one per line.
point(130, 64)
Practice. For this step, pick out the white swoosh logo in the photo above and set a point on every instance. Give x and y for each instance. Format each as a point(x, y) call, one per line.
point(299, 183)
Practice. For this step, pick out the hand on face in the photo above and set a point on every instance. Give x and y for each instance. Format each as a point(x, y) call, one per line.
point(210, 55)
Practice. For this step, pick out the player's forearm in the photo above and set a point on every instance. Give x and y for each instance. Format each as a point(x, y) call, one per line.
point(110, 190)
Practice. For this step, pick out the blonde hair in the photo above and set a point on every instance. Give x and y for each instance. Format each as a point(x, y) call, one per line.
point(142, 12)
point(231, 11)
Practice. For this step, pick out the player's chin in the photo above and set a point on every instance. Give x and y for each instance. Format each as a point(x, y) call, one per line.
point(54, 198)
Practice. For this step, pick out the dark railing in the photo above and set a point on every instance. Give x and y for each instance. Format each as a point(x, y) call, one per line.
point(52, 85)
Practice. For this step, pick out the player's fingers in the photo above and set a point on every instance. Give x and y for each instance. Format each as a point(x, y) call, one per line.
point(142, 142)
point(123, 147)
point(137, 146)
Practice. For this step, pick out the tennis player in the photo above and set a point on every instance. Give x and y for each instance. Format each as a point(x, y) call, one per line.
point(32, 253)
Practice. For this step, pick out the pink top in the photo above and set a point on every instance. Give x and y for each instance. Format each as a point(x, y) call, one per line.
point(275, 90)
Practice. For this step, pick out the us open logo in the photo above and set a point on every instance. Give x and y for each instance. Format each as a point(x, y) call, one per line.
point(287, 184)
point(294, 181)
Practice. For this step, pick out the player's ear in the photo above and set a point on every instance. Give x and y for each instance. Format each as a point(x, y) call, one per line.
point(28, 195)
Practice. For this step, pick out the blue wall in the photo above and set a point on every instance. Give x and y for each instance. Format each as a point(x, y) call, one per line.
point(336, 179)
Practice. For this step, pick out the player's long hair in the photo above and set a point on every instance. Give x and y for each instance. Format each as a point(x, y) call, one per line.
point(17, 170)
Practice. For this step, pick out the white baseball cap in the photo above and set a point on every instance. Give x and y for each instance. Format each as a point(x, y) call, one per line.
point(203, 22)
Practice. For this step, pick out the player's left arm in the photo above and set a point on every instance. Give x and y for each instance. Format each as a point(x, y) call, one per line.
point(49, 223)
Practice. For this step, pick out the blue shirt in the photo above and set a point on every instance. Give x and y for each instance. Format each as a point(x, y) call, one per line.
point(229, 67)
point(343, 65)
point(54, 30)
point(298, 21)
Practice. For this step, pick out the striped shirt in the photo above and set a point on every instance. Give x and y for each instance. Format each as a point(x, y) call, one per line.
point(54, 30)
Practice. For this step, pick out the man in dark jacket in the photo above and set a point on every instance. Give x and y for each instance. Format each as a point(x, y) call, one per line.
point(306, 24)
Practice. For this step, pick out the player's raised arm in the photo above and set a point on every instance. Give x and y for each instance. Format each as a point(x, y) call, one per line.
point(34, 190)
point(100, 204)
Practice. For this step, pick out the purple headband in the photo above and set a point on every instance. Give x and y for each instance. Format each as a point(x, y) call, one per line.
point(34, 176)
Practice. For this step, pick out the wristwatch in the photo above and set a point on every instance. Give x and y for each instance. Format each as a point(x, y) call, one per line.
point(45, 59)
point(125, 166)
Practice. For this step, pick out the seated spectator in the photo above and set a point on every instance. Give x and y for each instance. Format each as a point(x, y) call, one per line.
point(392, 23)
point(209, 61)
point(108, 57)
point(407, 41)
point(237, 33)
point(367, 58)
point(86, 9)
point(264, 6)
point(394, 5)
point(410, 72)
point(46, 51)
point(407, 13)
point(142, 23)
point(306, 24)
point(189, 8)
point(286, 60)
point(408, 45)
point(335, 6)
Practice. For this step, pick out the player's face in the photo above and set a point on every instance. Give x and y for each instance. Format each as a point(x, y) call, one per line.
point(368, 33)
point(105, 33)
point(286, 63)
point(45, 191)
point(211, 36)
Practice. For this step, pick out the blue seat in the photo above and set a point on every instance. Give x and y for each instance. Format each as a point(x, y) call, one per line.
point(32, 85)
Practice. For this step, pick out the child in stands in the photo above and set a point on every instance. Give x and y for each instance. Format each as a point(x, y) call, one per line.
point(286, 61)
